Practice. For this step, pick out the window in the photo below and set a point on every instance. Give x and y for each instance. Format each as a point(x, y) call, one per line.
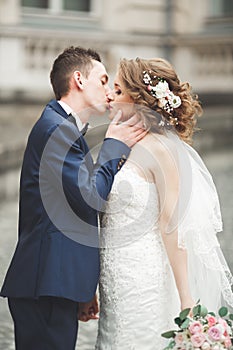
point(35, 3)
point(228, 7)
point(59, 5)
point(74, 5)
point(222, 8)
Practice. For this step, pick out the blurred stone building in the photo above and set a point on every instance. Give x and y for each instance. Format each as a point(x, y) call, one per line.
point(197, 37)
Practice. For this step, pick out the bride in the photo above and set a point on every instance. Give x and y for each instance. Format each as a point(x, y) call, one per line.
point(159, 251)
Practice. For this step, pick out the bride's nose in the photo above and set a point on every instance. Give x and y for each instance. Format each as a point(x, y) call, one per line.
point(110, 95)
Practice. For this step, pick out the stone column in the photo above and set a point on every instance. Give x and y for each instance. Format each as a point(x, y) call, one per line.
point(9, 12)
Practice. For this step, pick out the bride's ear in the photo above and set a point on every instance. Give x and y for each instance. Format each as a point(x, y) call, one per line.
point(78, 79)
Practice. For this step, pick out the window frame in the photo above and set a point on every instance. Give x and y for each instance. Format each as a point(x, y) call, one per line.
point(54, 16)
point(56, 8)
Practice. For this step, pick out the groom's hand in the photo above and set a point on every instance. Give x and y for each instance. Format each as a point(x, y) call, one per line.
point(130, 131)
point(88, 311)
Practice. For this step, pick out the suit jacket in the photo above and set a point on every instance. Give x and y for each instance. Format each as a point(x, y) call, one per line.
point(61, 193)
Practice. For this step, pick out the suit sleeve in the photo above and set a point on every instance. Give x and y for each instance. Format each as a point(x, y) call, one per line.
point(67, 166)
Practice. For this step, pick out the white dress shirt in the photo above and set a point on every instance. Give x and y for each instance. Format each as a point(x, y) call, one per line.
point(69, 110)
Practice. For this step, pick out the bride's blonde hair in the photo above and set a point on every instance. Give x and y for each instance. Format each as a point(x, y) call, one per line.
point(131, 74)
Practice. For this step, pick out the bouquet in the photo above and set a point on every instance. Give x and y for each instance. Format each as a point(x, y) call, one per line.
point(199, 329)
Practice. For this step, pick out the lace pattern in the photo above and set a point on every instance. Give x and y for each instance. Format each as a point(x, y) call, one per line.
point(128, 213)
point(136, 279)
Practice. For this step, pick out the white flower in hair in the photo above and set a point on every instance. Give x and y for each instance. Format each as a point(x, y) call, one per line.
point(175, 102)
point(161, 89)
point(146, 78)
point(166, 99)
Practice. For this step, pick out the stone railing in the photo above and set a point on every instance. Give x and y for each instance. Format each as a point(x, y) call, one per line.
point(208, 62)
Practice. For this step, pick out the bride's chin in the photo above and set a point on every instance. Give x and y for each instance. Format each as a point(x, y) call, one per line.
point(112, 114)
point(125, 114)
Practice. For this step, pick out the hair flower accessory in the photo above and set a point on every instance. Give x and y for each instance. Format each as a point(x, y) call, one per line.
point(167, 100)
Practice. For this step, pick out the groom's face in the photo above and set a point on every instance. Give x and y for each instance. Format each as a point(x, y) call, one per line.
point(96, 91)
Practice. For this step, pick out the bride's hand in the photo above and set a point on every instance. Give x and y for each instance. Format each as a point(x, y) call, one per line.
point(88, 311)
point(188, 303)
point(130, 131)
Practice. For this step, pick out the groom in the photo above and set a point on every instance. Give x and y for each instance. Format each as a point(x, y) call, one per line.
point(54, 271)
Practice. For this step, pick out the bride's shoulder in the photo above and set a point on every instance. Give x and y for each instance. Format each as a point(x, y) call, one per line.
point(158, 144)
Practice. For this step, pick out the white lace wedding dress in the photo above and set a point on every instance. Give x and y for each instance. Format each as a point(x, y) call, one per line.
point(138, 295)
point(136, 280)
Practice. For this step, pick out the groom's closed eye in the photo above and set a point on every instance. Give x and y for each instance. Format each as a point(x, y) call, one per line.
point(104, 79)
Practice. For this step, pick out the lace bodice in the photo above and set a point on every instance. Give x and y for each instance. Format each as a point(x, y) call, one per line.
point(131, 206)
point(135, 274)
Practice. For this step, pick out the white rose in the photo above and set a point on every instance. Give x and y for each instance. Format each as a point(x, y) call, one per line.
point(175, 101)
point(205, 346)
point(216, 347)
point(186, 345)
point(161, 89)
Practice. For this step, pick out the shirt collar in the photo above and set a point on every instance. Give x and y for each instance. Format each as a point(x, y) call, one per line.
point(69, 110)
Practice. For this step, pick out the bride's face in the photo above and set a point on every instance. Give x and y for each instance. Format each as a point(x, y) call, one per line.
point(121, 101)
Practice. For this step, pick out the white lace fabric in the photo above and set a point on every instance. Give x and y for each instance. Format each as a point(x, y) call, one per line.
point(138, 295)
point(136, 279)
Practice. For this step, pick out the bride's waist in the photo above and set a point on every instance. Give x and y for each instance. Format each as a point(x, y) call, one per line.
point(129, 221)
point(124, 237)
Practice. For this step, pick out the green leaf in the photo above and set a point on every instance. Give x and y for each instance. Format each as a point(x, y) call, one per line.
point(196, 310)
point(169, 334)
point(185, 324)
point(178, 321)
point(184, 313)
point(212, 313)
point(203, 311)
point(231, 317)
point(223, 311)
point(172, 344)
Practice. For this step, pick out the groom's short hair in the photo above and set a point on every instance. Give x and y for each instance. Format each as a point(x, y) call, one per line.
point(71, 59)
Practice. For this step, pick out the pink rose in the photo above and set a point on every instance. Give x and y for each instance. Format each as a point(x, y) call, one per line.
point(215, 333)
point(195, 327)
point(211, 320)
point(223, 323)
point(179, 339)
point(197, 339)
point(227, 342)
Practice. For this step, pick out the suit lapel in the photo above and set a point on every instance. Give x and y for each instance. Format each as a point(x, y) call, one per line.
point(57, 107)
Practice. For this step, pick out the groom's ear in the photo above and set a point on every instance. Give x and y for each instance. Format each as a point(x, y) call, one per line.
point(78, 79)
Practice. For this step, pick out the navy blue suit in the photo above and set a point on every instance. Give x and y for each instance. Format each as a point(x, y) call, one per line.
point(61, 192)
